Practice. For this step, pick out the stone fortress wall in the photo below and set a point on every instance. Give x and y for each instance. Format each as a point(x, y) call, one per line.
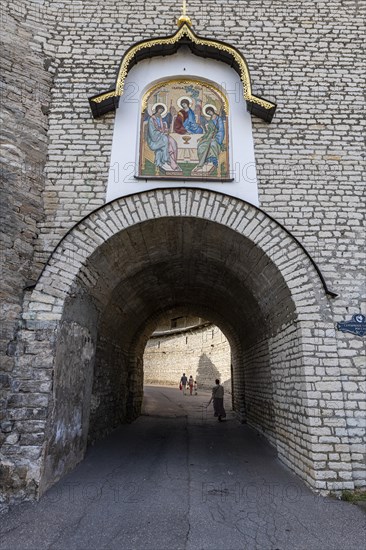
point(198, 349)
point(304, 56)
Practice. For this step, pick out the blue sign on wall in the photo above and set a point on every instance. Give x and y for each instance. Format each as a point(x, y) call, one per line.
point(357, 325)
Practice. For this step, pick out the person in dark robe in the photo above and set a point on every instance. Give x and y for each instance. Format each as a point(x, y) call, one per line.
point(183, 383)
point(218, 400)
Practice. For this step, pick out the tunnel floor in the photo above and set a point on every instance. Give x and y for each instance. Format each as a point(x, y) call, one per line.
point(178, 479)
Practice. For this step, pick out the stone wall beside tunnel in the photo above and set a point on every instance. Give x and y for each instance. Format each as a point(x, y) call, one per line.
point(202, 351)
point(310, 180)
point(26, 82)
point(68, 421)
point(123, 268)
point(108, 407)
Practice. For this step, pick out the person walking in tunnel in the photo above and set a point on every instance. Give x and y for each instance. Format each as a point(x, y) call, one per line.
point(218, 400)
point(183, 383)
point(190, 384)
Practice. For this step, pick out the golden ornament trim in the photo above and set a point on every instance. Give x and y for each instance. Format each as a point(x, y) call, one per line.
point(184, 30)
point(103, 97)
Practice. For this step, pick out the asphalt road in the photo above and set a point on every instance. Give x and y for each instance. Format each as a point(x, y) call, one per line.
point(178, 479)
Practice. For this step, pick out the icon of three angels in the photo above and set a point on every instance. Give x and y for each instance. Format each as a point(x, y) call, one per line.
point(184, 132)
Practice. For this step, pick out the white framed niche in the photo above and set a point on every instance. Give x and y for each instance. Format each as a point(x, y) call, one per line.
point(125, 146)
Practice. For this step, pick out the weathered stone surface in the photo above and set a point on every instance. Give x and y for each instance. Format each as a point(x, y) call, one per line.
point(202, 351)
point(25, 87)
point(101, 294)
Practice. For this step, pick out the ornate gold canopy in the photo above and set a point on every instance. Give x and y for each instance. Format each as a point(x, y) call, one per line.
point(203, 47)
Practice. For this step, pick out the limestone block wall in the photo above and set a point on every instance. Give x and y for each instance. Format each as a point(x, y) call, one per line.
point(302, 55)
point(89, 293)
point(203, 352)
point(306, 57)
point(69, 404)
point(24, 103)
point(309, 166)
point(110, 388)
point(258, 389)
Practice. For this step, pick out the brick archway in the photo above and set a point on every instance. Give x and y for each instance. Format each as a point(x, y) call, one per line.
point(93, 305)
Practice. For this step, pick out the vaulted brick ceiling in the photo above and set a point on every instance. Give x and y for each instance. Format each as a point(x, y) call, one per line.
point(204, 267)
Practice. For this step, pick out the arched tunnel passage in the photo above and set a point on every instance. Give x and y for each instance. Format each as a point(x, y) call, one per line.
point(230, 265)
point(185, 263)
point(190, 345)
point(188, 264)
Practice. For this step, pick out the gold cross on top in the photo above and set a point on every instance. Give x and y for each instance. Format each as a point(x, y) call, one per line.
point(184, 19)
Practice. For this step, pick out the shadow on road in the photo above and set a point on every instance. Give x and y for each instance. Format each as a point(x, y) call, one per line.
point(176, 479)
